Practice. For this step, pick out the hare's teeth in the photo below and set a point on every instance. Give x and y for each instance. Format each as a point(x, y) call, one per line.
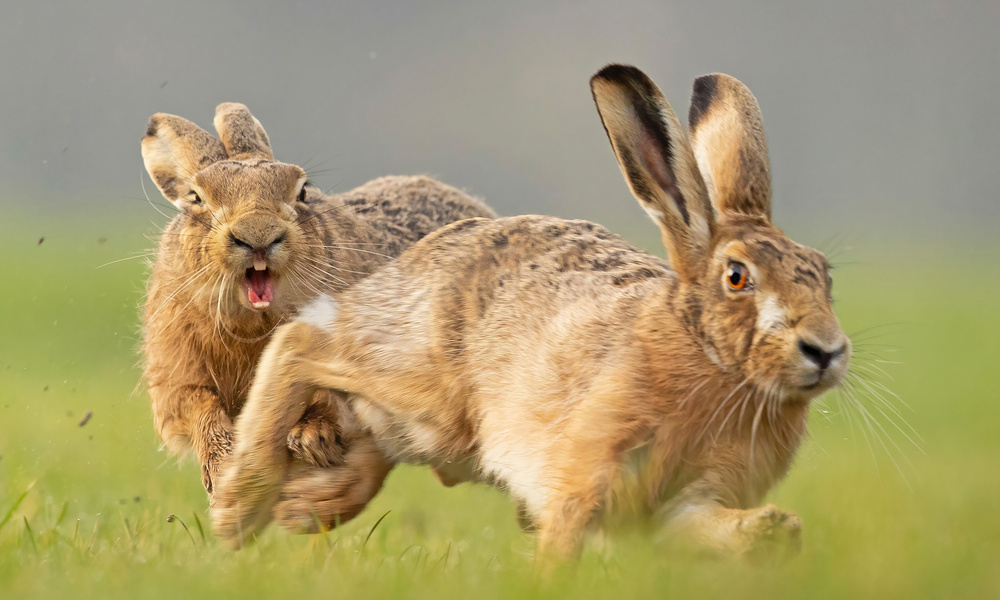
point(259, 264)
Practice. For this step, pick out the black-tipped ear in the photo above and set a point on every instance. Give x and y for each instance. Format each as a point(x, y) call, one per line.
point(174, 150)
point(727, 133)
point(241, 133)
point(657, 163)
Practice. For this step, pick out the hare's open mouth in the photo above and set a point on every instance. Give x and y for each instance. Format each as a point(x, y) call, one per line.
point(259, 288)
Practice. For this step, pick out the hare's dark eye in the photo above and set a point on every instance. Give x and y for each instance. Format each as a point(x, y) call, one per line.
point(302, 192)
point(195, 198)
point(738, 277)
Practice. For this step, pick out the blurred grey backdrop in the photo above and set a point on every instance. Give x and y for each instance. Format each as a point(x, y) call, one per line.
point(881, 116)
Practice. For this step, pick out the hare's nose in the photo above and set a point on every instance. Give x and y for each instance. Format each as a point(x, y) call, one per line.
point(256, 247)
point(820, 356)
point(259, 249)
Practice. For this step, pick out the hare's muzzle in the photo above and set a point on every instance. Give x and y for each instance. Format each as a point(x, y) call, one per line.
point(259, 286)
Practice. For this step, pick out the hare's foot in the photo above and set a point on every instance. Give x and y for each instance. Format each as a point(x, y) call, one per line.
point(315, 499)
point(769, 532)
point(759, 533)
point(315, 440)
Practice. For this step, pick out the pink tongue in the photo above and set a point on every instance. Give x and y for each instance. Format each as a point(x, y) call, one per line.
point(261, 287)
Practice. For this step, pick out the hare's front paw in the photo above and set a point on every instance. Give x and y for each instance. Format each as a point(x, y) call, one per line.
point(211, 473)
point(213, 464)
point(316, 441)
point(769, 532)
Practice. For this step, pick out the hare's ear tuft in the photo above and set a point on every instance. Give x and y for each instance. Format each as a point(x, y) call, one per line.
point(657, 162)
point(241, 133)
point(727, 133)
point(174, 150)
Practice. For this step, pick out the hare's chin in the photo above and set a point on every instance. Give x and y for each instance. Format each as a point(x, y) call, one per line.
point(258, 286)
point(824, 381)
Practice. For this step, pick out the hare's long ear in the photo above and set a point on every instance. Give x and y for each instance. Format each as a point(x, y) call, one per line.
point(174, 150)
point(657, 162)
point(727, 133)
point(241, 133)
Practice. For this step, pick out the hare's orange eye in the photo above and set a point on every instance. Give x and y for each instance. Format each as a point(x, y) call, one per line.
point(738, 277)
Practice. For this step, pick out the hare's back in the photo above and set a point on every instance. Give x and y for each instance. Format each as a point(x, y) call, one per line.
point(530, 251)
point(476, 285)
point(404, 209)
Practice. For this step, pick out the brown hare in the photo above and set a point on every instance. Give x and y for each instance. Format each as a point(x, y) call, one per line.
point(552, 359)
point(254, 241)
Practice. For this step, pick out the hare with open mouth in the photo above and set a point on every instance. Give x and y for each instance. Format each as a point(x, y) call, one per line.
point(552, 359)
point(252, 243)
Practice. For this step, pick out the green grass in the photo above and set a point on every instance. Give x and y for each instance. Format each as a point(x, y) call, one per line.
point(84, 509)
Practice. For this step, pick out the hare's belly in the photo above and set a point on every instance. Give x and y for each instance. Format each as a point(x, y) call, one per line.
point(518, 469)
point(501, 460)
point(514, 453)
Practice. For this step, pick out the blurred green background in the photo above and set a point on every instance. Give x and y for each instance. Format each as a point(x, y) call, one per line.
point(883, 137)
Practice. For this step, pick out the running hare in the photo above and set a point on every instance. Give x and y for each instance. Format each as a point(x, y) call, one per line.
point(552, 359)
point(252, 243)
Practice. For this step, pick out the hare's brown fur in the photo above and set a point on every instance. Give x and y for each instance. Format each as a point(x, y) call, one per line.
point(587, 378)
point(240, 208)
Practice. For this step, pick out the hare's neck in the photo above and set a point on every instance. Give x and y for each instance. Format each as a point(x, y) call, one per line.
point(714, 422)
point(353, 246)
point(672, 339)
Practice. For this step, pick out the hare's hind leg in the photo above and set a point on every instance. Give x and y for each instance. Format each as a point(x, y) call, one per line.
point(281, 393)
point(314, 499)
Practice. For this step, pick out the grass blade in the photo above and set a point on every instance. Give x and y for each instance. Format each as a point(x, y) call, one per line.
point(201, 530)
point(370, 532)
point(17, 503)
point(31, 534)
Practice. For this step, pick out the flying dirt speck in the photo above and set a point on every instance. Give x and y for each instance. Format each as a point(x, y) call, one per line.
point(86, 418)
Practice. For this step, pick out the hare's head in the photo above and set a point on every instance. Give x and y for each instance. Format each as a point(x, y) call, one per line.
point(239, 232)
point(759, 303)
